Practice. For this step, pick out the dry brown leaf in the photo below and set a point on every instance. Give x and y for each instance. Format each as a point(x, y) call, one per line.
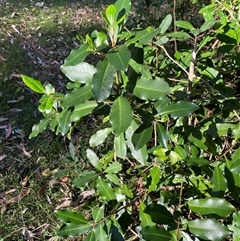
point(24, 181)
point(3, 157)
point(2, 59)
point(9, 131)
point(64, 204)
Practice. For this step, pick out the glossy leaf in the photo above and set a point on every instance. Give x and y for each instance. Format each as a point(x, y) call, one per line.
point(179, 109)
point(208, 229)
point(120, 115)
point(147, 89)
point(119, 58)
point(207, 25)
point(142, 135)
point(72, 229)
point(236, 131)
point(159, 214)
point(146, 35)
point(99, 137)
point(82, 72)
point(77, 96)
point(155, 177)
point(161, 104)
point(144, 217)
point(165, 24)
point(46, 104)
point(77, 55)
point(82, 110)
point(197, 161)
point(103, 80)
point(84, 178)
point(105, 190)
point(162, 135)
point(113, 178)
point(65, 122)
point(124, 221)
point(38, 128)
point(184, 24)
point(114, 167)
point(141, 154)
point(120, 146)
point(90, 237)
point(111, 14)
point(123, 4)
point(126, 191)
point(100, 232)
point(94, 160)
point(154, 233)
point(33, 84)
point(97, 213)
point(219, 182)
point(68, 216)
point(212, 205)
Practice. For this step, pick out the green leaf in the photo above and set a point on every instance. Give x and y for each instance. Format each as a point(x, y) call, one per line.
point(84, 178)
point(147, 89)
point(77, 55)
point(155, 177)
point(33, 84)
point(207, 25)
point(208, 229)
point(99, 137)
point(146, 35)
point(124, 221)
point(119, 58)
point(166, 22)
point(120, 146)
point(103, 80)
point(77, 96)
point(179, 109)
point(65, 122)
point(159, 214)
point(140, 155)
point(179, 35)
point(82, 110)
point(219, 182)
point(184, 24)
point(180, 151)
point(196, 161)
point(153, 233)
point(68, 216)
point(126, 191)
point(111, 14)
point(72, 229)
point(46, 104)
point(211, 205)
point(120, 115)
point(114, 167)
point(162, 135)
point(82, 72)
point(97, 213)
point(94, 160)
point(40, 127)
point(161, 104)
point(105, 190)
point(144, 217)
point(100, 232)
point(90, 237)
point(142, 135)
point(123, 4)
point(113, 178)
point(236, 131)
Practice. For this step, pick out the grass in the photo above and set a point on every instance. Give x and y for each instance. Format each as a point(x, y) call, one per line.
point(34, 40)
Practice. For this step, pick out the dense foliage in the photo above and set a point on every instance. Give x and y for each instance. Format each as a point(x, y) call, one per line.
point(165, 161)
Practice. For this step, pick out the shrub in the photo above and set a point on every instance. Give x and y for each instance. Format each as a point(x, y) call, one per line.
point(165, 164)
